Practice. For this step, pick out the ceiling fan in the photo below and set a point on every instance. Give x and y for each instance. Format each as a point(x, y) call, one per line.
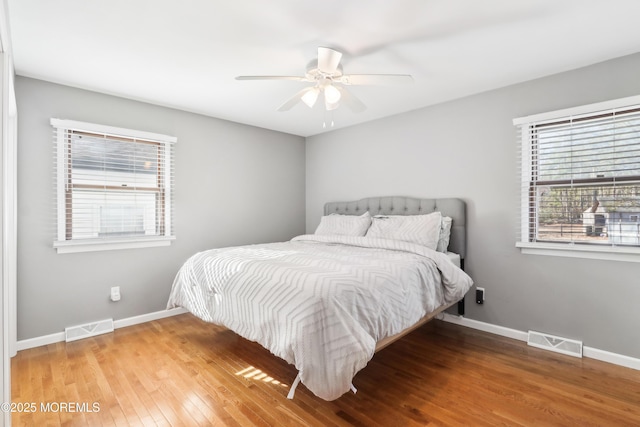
point(325, 74)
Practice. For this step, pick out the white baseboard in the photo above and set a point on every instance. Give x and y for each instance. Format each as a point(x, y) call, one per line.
point(486, 327)
point(615, 358)
point(122, 323)
point(135, 320)
point(593, 353)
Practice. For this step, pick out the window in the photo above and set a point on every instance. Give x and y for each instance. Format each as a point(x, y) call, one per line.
point(113, 187)
point(580, 179)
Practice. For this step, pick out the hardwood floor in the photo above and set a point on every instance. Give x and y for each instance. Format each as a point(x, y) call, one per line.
point(180, 371)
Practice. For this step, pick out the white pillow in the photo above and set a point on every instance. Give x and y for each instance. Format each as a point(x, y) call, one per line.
point(445, 234)
point(345, 225)
point(421, 229)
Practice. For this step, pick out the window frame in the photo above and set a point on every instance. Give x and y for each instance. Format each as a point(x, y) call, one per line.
point(526, 241)
point(63, 242)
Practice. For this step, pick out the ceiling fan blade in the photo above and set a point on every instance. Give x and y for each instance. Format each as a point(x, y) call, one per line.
point(295, 99)
point(376, 79)
point(328, 60)
point(348, 99)
point(296, 78)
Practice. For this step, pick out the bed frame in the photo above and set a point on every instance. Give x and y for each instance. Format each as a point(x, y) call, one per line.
point(454, 208)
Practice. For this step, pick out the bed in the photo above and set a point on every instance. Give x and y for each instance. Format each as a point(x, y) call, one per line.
point(326, 302)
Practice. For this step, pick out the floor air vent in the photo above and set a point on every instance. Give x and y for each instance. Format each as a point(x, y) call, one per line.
point(557, 344)
point(73, 333)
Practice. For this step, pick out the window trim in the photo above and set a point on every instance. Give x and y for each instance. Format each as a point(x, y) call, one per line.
point(573, 250)
point(89, 245)
point(589, 109)
point(61, 242)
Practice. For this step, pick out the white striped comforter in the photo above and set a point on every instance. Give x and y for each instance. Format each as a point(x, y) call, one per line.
point(319, 302)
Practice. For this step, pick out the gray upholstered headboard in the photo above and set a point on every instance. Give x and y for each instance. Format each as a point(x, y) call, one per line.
point(455, 208)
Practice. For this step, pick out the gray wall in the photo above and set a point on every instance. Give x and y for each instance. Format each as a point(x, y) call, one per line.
point(234, 184)
point(467, 148)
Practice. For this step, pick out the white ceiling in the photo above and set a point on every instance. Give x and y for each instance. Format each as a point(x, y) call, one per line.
point(185, 54)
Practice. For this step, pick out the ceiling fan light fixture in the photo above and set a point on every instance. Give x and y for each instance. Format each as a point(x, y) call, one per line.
point(310, 97)
point(331, 95)
point(328, 106)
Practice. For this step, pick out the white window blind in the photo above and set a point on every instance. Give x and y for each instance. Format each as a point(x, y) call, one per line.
point(113, 187)
point(580, 177)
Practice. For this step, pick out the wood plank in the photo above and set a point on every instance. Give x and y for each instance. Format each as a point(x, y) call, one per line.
point(181, 371)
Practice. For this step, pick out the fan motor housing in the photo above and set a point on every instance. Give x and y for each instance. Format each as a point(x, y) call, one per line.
point(314, 73)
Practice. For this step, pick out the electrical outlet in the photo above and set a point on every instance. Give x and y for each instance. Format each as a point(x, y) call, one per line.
point(480, 295)
point(115, 293)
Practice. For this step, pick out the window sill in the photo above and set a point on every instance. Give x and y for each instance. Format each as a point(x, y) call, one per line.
point(70, 247)
point(611, 253)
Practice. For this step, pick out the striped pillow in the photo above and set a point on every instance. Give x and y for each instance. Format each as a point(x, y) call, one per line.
point(421, 229)
point(345, 225)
